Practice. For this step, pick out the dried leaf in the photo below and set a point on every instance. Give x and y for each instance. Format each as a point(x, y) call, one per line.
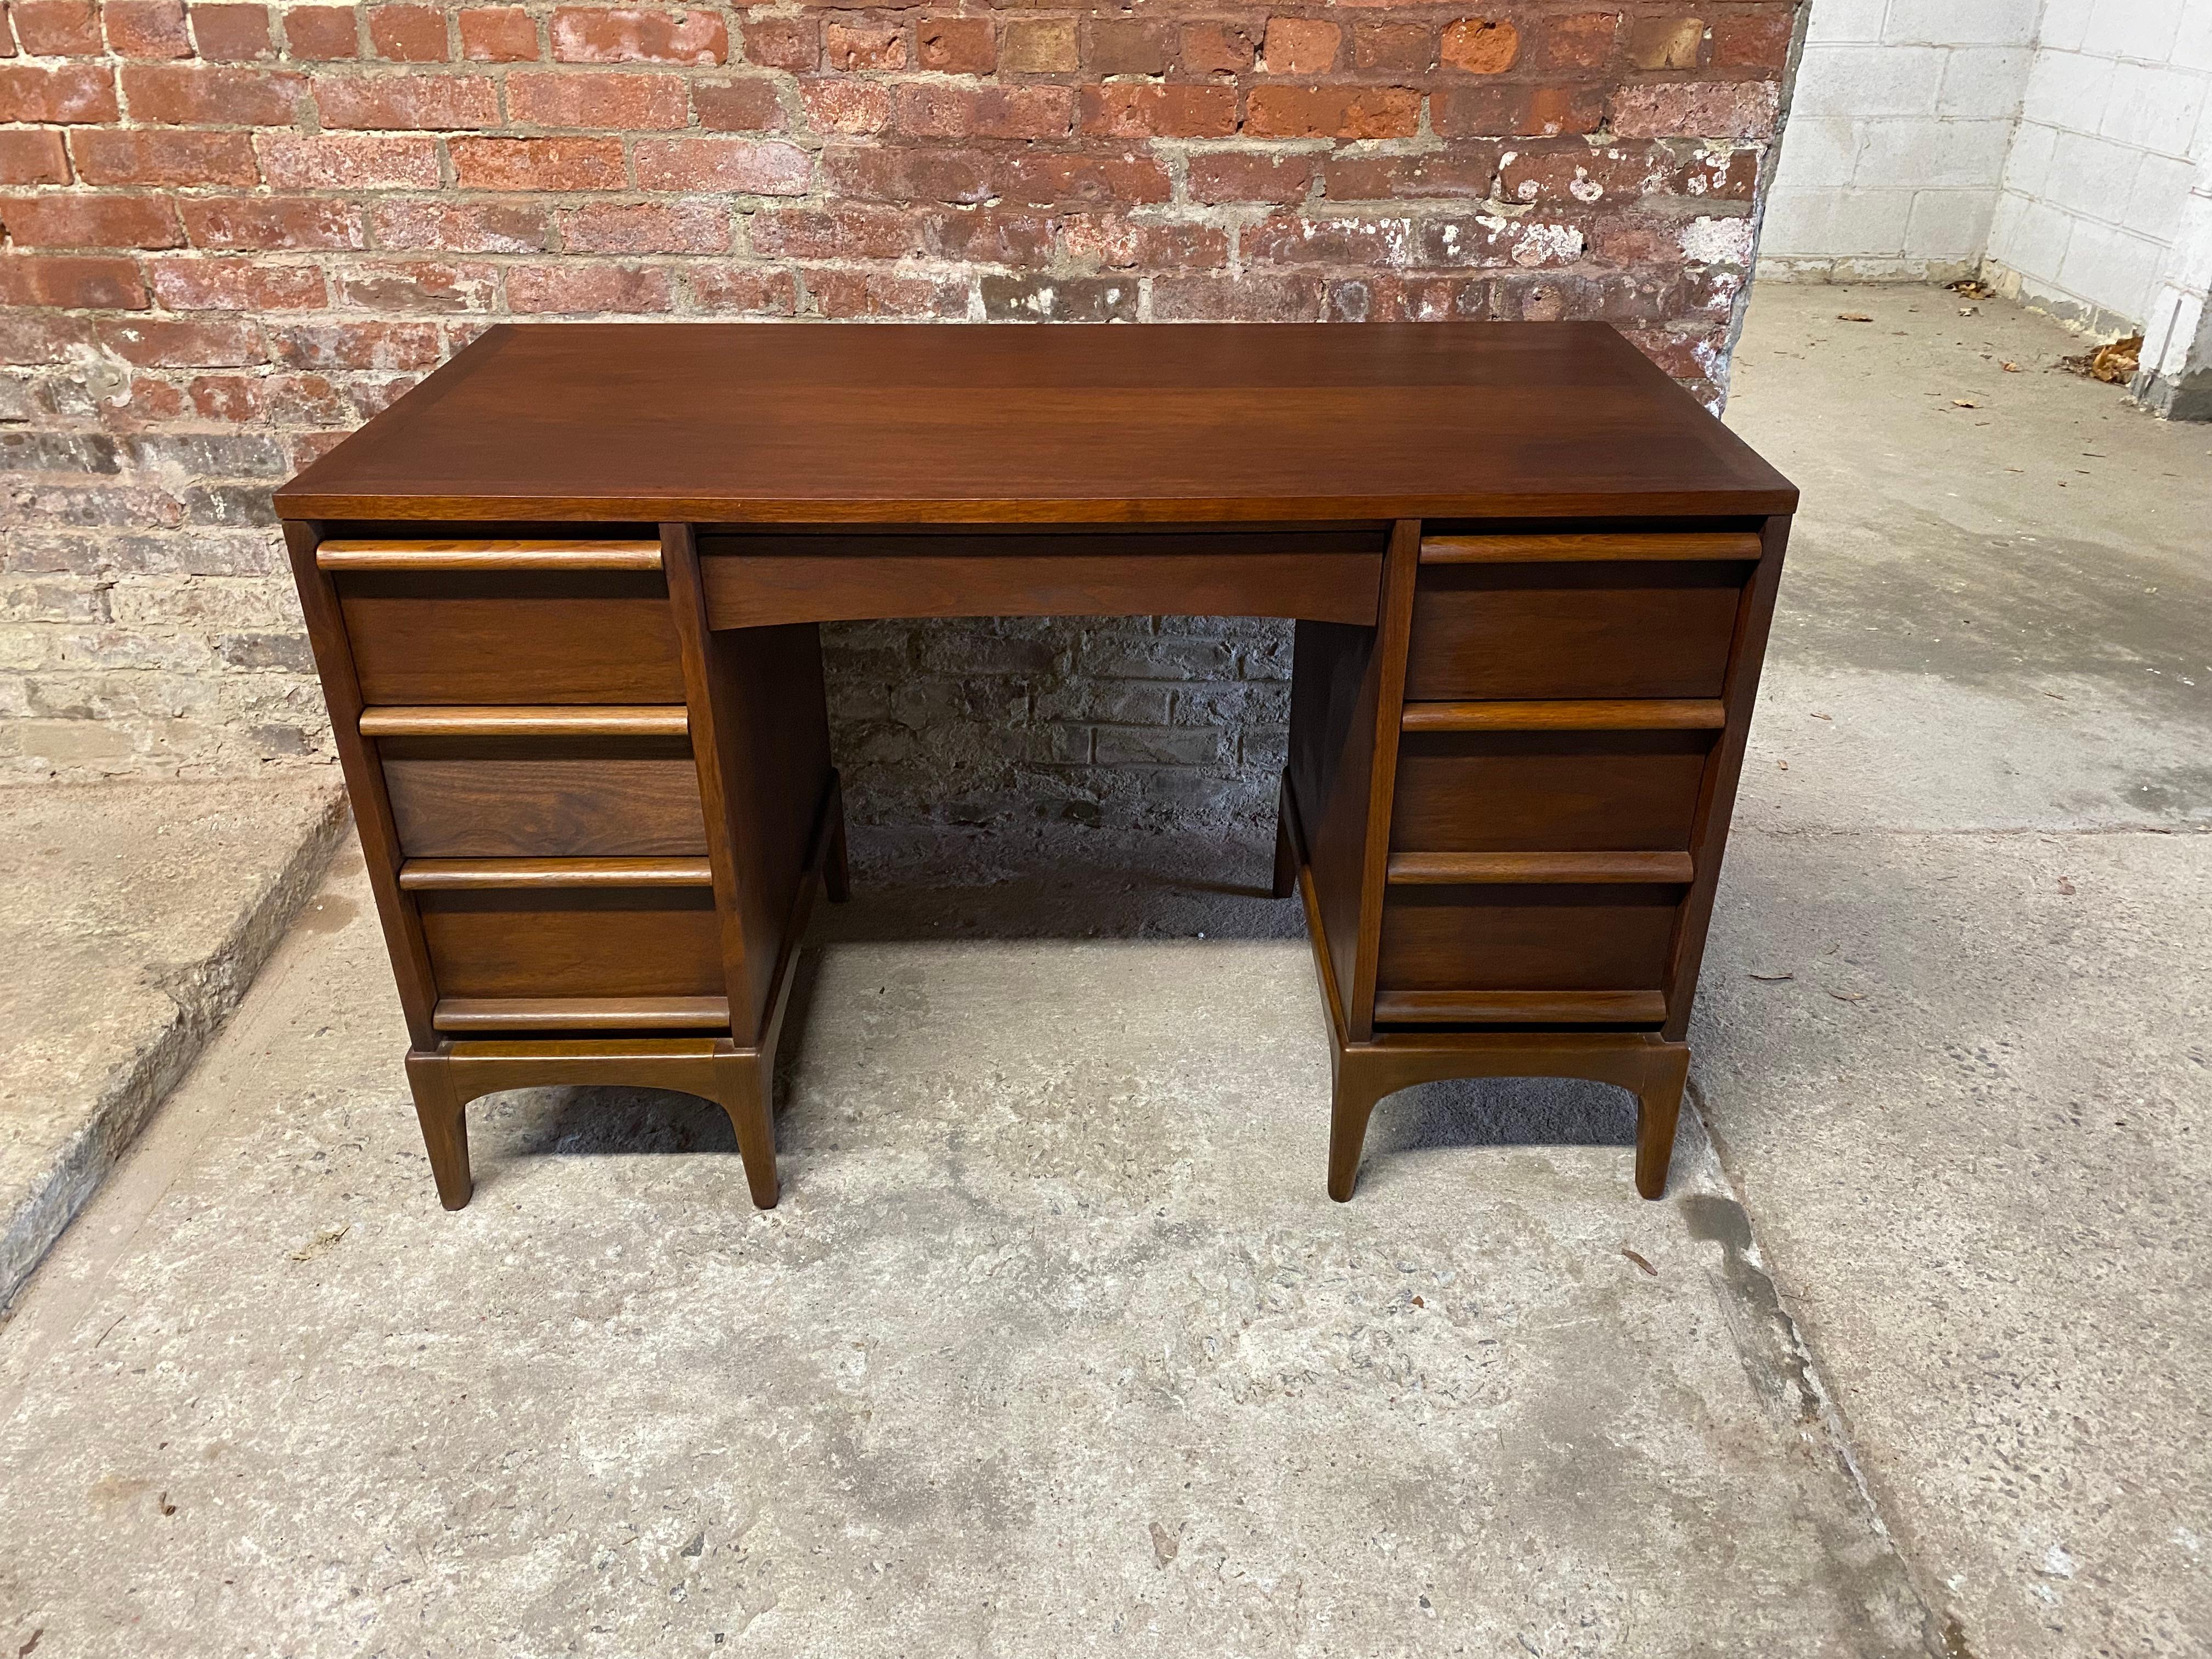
point(1829, 718)
point(1771, 978)
point(2012, 368)
point(2065, 887)
point(1848, 996)
point(2114, 364)
point(1853, 317)
point(1963, 403)
point(1972, 287)
point(1639, 1262)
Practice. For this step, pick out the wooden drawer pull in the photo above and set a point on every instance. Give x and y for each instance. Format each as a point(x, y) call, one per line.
point(1453, 869)
point(1520, 1007)
point(581, 1013)
point(531, 556)
point(1591, 549)
point(1625, 715)
point(569, 720)
point(452, 874)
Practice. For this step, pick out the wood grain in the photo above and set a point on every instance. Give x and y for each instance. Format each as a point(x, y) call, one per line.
point(1590, 547)
point(455, 875)
point(1639, 714)
point(1521, 1007)
point(1551, 791)
point(491, 720)
point(583, 1014)
point(1463, 869)
point(507, 554)
point(539, 797)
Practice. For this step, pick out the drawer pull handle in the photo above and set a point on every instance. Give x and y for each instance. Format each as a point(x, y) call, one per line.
point(452, 875)
point(1458, 869)
point(1520, 1007)
point(569, 720)
point(1695, 547)
point(1637, 714)
point(519, 556)
point(580, 1013)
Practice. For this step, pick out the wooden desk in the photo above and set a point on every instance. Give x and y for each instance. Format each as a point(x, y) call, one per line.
point(564, 598)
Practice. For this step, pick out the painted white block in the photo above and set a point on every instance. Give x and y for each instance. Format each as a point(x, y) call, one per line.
point(2192, 46)
point(2092, 176)
point(2112, 268)
point(1867, 81)
point(1837, 223)
point(2036, 241)
point(1960, 23)
point(2065, 25)
point(2068, 90)
point(2028, 168)
point(2004, 223)
point(2161, 194)
point(2154, 108)
point(1844, 20)
point(1818, 153)
point(1922, 155)
point(1949, 224)
point(2136, 28)
point(1985, 83)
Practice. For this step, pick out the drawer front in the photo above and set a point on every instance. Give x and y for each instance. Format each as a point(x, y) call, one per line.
point(1546, 792)
point(554, 797)
point(1569, 631)
point(471, 637)
point(1526, 939)
point(626, 941)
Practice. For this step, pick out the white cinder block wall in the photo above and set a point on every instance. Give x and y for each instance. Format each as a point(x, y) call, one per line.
point(1894, 152)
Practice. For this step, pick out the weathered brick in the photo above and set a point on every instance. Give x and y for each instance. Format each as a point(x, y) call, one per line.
point(1143, 109)
point(1479, 45)
point(235, 284)
point(437, 285)
point(1300, 45)
point(29, 339)
point(499, 35)
point(1042, 299)
point(578, 287)
point(1506, 111)
point(119, 222)
point(864, 45)
point(66, 95)
point(1388, 297)
point(766, 167)
point(614, 35)
point(347, 162)
point(57, 28)
point(1696, 109)
point(89, 283)
point(645, 228)
point(932, 110)
point(749, 104)
point(756, 290)
point(1584, 41)
point(1123, 244)
point(151, 157)
point(356, 345)
point(1122, 46)
point(1753, 37)
point(836, 103)
point(199, 94)
point(32, 155)
point(1047, 47)
point(1254, 297)
point(417, 103)
point(628, 102)
point(1393, 48)
point(231, 34)
point(1047, 178)
point(1666, 43)
point(958, 45)
point(521, 226)
point(147, 28)
point(1216, 49)
point(408, 34)
point(1463, 172)
point(322, 34)
point(1234, 176)
point(785, 43)
point(881, 293)
point(538, 163)
point(195, 342)
point(1333, 111)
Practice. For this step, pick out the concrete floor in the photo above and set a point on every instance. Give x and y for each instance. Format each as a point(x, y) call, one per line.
point(1055, 1340)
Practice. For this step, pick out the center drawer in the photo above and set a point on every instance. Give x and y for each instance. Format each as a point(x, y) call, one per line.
point(1564, 791)
point(568, 797)
point(574, 942)
point(1573, 631)
point(461, 636)
point(1527, 937)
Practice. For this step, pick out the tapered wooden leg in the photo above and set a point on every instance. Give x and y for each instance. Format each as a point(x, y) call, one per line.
point(1658, 1107)
point(445, 1127)
point(1351, 1103)
point(1286, 851)
point(745, 1089)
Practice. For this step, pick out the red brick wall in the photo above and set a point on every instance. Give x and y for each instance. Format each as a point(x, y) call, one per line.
point(234, 229)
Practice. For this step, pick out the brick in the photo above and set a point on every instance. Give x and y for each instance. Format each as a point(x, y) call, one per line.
point(122, 221)
point(1489, 241)
point(202, 95)
point(347, 162)
point(1327, 111)
point(238, 399)
point(785, 43)
point(32, 156)
point(889, 174)
point(1393, 48)
point(1215, 49)
point(647, 228)
point(1754, 37)
point(517, 226)
point(1123, 244)
point(439, 285)
point(146, 157)
point(880, 293)
point(1464, 171)
point(538, 163)
point(235, 284)
point(927, 110)
point(70, 94)
point(1044, 179)
point(610, 35)
point(753, 168)
point(836, 104)
point(1040, 299)
point(1666, 43)
point(864, 46)
point(588, 289)
point(1479, 46)
point(1035, 47)
point(231, 34)
point(1294, 239)
point(254, 223)
point(1583, 41)
point(25, 339)
point(1692, 109)
point(364, 345)
point(1507, 111)
point(322, 34)
point(407, 102)
point(747, 105)
point(960, 45)
point(1300, 45)
point(75, 282)
point(756, 290)
point(629, 103)
point(408, 34)
point(57, 28)
point(1387, 297)
point(1230, 176)
point(179, 342)
point(499, 35)
point(1126, 47)
point(1141, 109)
point(147, 28)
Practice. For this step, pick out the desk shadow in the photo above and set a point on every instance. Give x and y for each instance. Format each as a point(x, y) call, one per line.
point(582, 1122)
point(1502, 1112)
